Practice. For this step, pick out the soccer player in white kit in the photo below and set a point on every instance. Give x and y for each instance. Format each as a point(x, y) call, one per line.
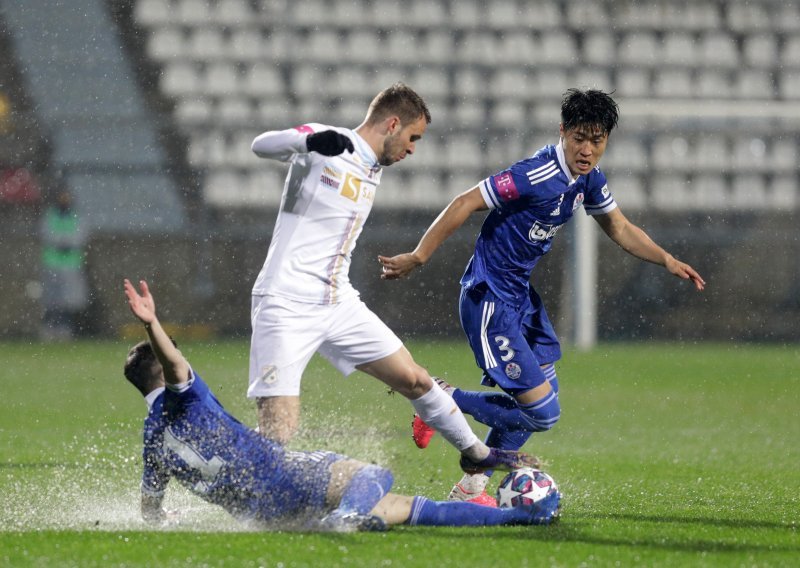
point(303, 301)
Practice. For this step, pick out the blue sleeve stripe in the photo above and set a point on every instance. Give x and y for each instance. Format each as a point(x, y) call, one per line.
point(488, 193)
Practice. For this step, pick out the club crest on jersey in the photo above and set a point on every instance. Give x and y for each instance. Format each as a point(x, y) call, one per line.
point(513, 371)
point(542, 231)
point(578, 201)
point(269, 374)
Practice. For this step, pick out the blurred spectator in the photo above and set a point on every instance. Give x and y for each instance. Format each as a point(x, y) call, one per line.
point(64, 287)
point(18, 186)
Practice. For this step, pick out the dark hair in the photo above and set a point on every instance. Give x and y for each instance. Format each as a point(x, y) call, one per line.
point(591, 107)
point(142, 368)
point(400, 100)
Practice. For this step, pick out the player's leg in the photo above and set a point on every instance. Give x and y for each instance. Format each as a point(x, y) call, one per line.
point(353, 491)
point(360, 340)
point(399, 509)
point(284, 337)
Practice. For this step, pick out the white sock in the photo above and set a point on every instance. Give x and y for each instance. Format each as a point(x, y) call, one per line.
point(440, 413)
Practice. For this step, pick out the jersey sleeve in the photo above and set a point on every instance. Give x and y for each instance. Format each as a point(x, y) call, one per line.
point(520, 180)
point(598, 199)
point(282, 145)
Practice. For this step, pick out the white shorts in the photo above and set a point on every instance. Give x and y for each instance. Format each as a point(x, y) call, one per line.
point(287, 333)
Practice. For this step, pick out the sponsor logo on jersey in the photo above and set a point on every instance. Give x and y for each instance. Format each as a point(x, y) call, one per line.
point(330, 178)
point(542, 231)
point(578, 201)
point(513, 371)
point(351, 188)
point(605, 191)
point(304, 129)
point(506, 188)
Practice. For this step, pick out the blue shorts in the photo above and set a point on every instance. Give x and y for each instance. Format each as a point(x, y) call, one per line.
point(507, 341)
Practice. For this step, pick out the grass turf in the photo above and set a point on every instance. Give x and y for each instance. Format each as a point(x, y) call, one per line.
point(668, 455)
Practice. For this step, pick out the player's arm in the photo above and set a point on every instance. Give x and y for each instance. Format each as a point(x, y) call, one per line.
point(448, 221)
point(176, 368)
point(282, 144)
point(635, 241)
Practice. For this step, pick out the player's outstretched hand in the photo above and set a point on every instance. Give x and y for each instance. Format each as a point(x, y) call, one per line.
point(683, 270)
point(398, 266)
point(142, 305)
point(329, 143)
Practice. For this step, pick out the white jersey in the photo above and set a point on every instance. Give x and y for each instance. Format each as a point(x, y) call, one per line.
point(325, 202)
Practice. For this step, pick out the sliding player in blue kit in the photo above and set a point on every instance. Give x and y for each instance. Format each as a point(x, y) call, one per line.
point(502, 315)
point(189, 436)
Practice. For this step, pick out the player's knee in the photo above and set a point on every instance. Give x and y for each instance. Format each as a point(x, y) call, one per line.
point(374, 475)
point(541, 415)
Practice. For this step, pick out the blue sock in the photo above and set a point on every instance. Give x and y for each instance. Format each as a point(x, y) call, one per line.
point(496, 410)
point(366, 488)
point(463, 514)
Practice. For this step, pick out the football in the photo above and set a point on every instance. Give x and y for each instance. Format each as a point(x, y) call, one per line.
point(525, 486)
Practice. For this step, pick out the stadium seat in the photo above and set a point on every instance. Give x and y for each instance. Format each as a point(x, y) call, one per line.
point(639, 48)
point(679, 49)
point(275, 113)
point(750, 154)
point(785, 16)
point(599, 47)
point(401, 46)
point(557, 47)
point(195, 13)
point(628, 191)
point(673, 83)
point(754, 84)
point(180, 79)
point(221, 79)
point(709, 192)
point(593, 78)
point(246, 45)
point(466, 14)
point(586, 14)
point(633, 82)
point(436, 47)
point(747, 16)
point(150, 13)
point(670, 192)
point(477, 47)
point(425, 13)
point(790, 54)
point(540, 14)
point(783, 153)
point(711, 152)
point(508, 114)
point(263, 79)
point(431, 81)
point(469, 83)
point(718, 49)
point(670, 153)
point(789, 85)
point(782, 194)
point(760, 50)
point(713, 84)
point(348, 14)
point(463, 153)
point(625, 154)
point(364, 46)
point(749, 193)
point(319, 46)
point(234, 111)
point(206, 44)
point(166, 44)
point(233, 13)
point(193, 111)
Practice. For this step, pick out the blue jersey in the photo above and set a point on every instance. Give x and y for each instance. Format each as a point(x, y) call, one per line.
point(529, 203)
point(189, 436)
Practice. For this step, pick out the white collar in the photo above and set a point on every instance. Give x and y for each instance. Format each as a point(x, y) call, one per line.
point(152, 396)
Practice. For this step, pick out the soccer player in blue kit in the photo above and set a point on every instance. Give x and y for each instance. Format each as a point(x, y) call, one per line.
point(502, 315)
point(190, 437)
